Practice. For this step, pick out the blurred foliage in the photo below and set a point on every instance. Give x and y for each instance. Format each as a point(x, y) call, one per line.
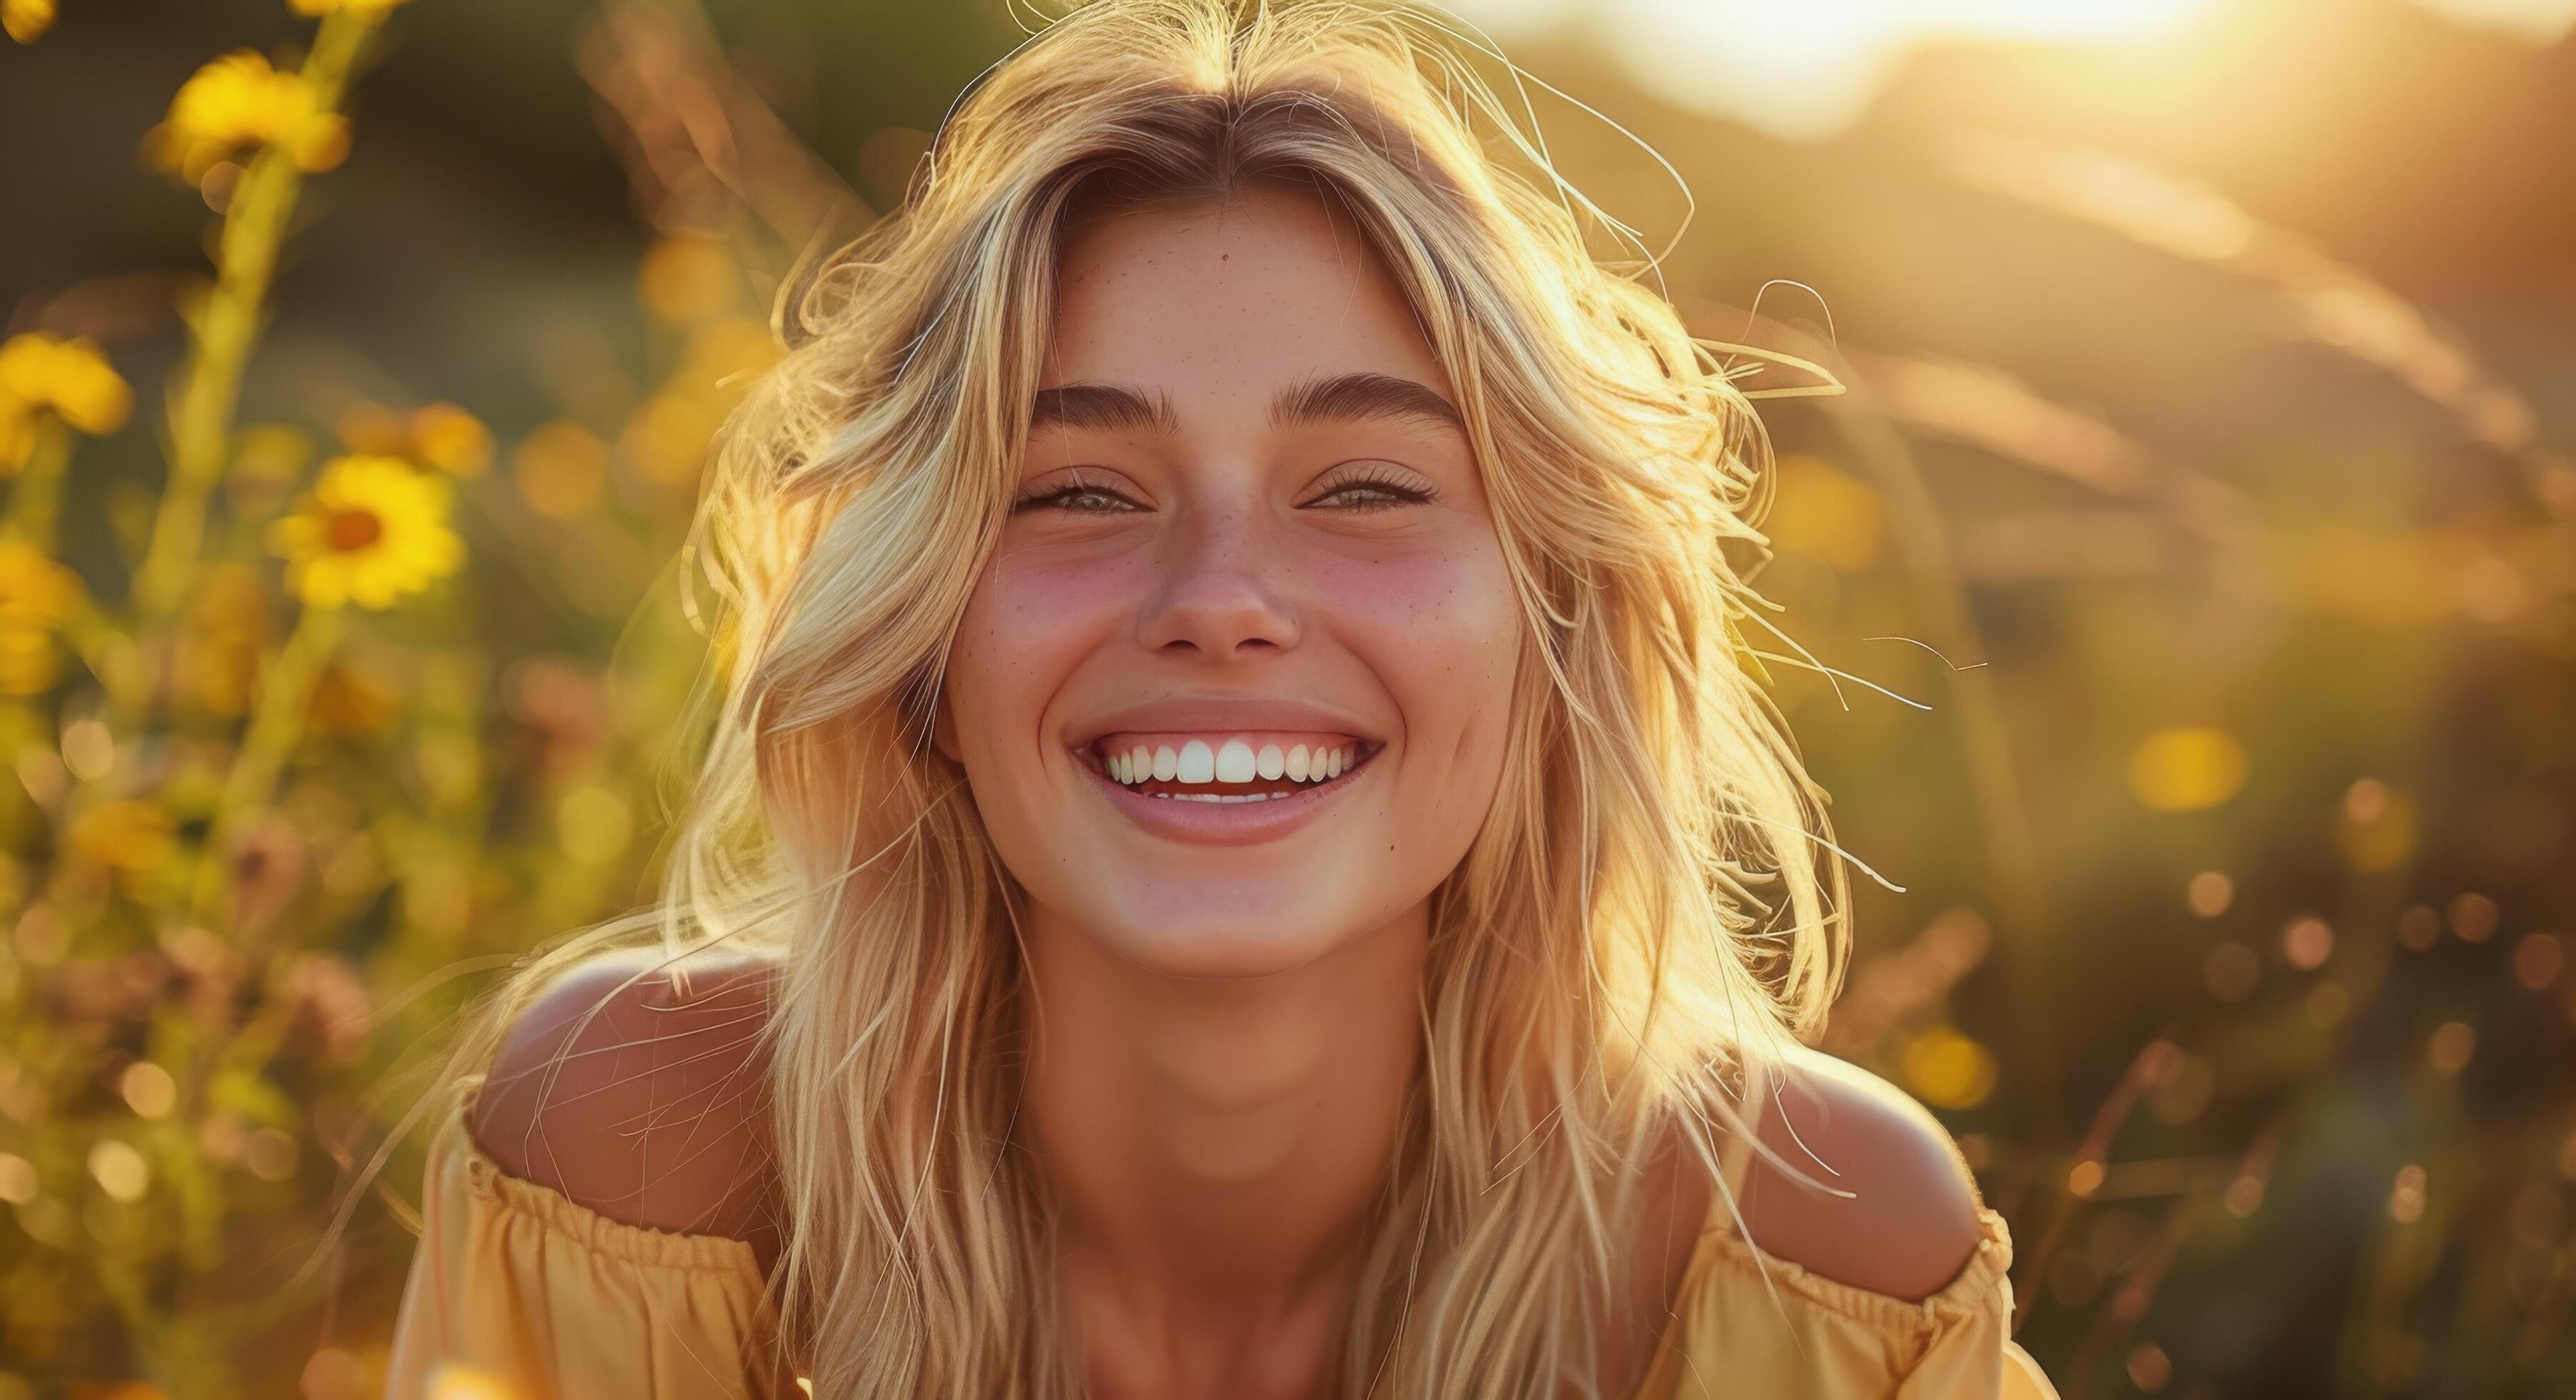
point(2184, 613)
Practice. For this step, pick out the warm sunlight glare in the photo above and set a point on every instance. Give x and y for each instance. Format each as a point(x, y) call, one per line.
point(2540, 21)
point(1806, 71)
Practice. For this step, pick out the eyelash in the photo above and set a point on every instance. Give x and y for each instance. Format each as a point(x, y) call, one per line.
point(1075, 487)
point(1404, 493)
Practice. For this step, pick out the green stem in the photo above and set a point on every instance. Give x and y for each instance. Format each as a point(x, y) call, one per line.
point(224, 330)
point(35, 502)
point(285, 694)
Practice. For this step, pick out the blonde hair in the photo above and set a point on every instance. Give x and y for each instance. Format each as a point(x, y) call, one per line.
point(1641, 914)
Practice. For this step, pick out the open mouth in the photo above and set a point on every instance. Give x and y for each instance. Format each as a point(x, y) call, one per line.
point(1227, 768)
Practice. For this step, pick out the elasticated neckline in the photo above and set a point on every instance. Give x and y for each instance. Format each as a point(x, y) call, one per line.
point(600, 1234)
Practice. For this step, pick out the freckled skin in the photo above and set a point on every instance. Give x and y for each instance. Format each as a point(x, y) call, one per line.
point(1233, 580)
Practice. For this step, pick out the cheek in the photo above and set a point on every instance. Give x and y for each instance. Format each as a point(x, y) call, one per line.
point(1029, 624)
point(1442, 630)
point(1040, 587)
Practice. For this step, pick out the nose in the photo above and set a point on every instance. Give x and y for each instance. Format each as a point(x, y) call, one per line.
point(1216, 591)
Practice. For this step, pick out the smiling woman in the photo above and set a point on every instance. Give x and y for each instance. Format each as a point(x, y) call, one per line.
point(1288, 548)
point(1229, 862)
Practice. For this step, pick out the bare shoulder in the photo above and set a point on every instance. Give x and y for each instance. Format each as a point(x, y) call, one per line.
point(1896, 1215)
point(636, 1085)
point(1896, 1211)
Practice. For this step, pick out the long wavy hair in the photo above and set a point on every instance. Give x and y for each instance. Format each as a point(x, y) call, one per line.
point(1644, 910)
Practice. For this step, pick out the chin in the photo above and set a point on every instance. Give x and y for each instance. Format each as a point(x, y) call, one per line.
point(1186, 934)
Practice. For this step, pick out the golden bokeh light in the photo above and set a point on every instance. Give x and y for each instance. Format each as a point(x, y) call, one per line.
point(2451, 1046)
point(2187, 768)
point(1948, 1070)
point(2406, 1197)
point(120, 1170)
point(2307, 942)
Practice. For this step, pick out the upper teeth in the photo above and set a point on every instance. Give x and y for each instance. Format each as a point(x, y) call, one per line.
point(1233, 761)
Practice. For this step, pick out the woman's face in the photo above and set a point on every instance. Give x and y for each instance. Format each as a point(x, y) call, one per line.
point(1250, 551)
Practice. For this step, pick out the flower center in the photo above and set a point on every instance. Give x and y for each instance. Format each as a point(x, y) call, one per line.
point(352, 530)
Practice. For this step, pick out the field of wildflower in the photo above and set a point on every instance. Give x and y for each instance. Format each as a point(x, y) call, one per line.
point(2180, 603)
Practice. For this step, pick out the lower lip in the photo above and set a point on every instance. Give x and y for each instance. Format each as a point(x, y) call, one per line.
point(1223, 823)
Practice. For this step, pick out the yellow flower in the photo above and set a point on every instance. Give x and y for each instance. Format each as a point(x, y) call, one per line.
point(30, 662)
point(67, 378)
point(36, 595)
point(26, 20)
point(239, 100)
point(42, 374)
point(323, 7)
point(34, 590)
point(372, 533)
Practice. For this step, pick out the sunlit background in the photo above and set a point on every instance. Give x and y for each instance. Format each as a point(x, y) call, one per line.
point(2180, 604)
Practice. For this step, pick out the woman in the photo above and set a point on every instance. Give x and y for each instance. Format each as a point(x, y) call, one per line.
point(1238, 859)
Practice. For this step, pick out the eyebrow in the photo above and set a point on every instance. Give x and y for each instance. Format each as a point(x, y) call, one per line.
point(1112, 407)
point(1337, 398)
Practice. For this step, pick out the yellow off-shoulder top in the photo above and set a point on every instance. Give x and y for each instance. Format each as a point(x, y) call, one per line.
point(518, 1292)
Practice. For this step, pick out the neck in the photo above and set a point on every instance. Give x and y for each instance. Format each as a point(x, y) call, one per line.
point(1216, 1146)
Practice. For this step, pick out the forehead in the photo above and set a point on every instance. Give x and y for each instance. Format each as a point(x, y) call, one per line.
point(1220, 304)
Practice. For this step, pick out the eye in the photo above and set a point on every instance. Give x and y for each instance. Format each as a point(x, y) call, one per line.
point(1076, 497)
point(1373, 486)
